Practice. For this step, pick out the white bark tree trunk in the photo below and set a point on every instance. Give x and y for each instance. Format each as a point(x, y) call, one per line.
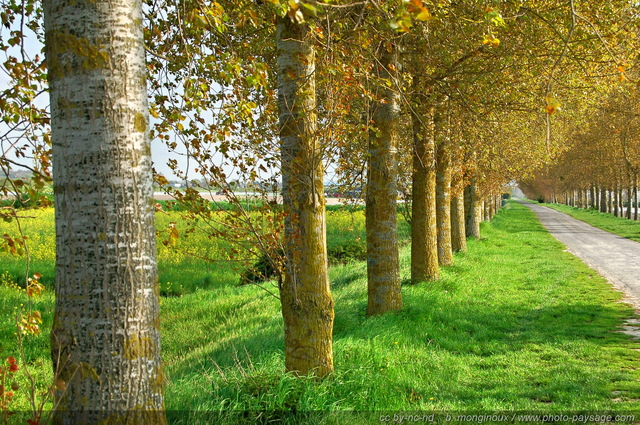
point(106, 331)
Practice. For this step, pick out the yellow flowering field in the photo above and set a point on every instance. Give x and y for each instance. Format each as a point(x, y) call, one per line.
point(186, 260)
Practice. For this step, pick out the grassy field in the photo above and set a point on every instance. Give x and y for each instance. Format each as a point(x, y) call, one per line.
point(621, 226)
point(517, 324)
point(181, 270)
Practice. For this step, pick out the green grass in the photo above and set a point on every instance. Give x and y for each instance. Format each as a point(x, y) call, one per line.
point(516, 324)
point(621, 226)
point(183, 270)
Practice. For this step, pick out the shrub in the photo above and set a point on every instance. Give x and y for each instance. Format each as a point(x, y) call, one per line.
point(266, 268)
point(347, 250)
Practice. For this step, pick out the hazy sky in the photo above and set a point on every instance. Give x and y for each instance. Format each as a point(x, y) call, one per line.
point(159, 150)
point(160, 153)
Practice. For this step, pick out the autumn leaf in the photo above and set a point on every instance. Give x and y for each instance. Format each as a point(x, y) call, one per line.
point(173, 235)
point(553, 105)
point(490, 40)
point(424, 15)
point(402, 24)
point(414, 6)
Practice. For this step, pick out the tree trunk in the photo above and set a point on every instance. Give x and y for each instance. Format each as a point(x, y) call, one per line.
point(635, 198)
point(307, 304)
point(458, 235)
point(475, 211)
point(573, 198)
point(468, 206)
point(603, 200)
point(106, 332)
point(458, 231)
point(610, 199)
point(443, 185)
point(383, 267)
point(424, 236)
point(619, 211)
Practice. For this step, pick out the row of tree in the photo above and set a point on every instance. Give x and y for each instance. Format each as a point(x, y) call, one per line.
point(376, 99)
point(442, 102)
point(601, 165)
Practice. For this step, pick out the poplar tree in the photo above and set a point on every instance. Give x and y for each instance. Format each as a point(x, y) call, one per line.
point(307, 305)
point(106, 332)
point(383, 266)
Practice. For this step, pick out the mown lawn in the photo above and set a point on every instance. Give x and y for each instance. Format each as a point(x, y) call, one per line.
point(517, 324)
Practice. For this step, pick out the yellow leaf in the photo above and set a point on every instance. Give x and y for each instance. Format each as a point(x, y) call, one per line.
point(490, 40)
point(424, 15)
point(254, 17)
point(553, 105)
point(173, 234)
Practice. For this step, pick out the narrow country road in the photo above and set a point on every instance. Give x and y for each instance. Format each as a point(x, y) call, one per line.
point(614, 257)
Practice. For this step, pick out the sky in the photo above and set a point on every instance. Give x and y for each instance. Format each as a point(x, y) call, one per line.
point(160, 152)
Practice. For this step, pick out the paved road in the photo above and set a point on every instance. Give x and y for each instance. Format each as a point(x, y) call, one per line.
point(614, 257)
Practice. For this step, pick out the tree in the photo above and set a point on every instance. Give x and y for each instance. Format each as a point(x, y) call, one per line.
point(443, 182)
point(424, 237)
point(307, 305)
point(25, 166)
point(458, 230)
point(383, 265)
point(106, 332)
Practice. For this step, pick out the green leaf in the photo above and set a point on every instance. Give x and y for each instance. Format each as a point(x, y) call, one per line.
point(310, 9)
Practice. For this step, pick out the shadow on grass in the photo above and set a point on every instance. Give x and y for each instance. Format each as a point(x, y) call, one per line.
point(431, 332)
point(476, 339)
